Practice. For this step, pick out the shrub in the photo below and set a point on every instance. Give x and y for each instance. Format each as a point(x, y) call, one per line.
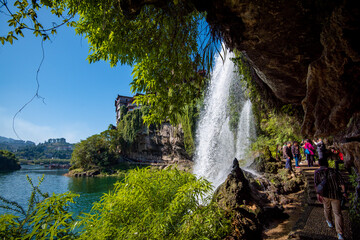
point(93, 152)
point(8, 161)
point(354, 211)
point(148, 204)
point(156, 204)
point(47, 217)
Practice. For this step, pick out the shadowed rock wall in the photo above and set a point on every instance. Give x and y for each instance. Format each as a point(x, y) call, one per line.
point(306, 53)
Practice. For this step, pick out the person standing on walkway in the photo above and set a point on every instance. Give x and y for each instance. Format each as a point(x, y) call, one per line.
point(330, 189)
point(339, 158)
point(287, 155)
point(321, 149)
point(295, 150)
point(309, 152)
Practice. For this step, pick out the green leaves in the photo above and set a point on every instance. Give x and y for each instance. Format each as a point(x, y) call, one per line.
point(94, 152)
point(156, 204)
point(26, 17)
point(47, 217)
point(161, 43)
point(52, 219)
point(8, 161)
point(148, 204)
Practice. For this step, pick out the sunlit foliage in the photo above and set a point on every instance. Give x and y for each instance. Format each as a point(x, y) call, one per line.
point(156, 204)
point(148, 204)
point(46, 217)
point(167, 45)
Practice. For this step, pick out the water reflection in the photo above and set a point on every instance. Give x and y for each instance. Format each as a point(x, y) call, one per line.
point(90, 190)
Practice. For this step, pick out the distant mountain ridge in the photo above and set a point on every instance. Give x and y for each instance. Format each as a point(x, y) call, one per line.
point(53, 148)
point(13, 144)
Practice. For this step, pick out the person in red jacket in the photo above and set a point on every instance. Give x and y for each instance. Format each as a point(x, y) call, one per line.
point(340, 158)
point(309, 152)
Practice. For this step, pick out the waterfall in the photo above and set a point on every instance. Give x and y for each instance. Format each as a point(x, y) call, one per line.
point(216, 144)
point(246, 132)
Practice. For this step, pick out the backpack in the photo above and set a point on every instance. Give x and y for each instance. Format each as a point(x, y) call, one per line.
point(320, 188)
point(306, 151)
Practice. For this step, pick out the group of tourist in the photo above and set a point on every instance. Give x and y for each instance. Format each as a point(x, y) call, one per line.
point(329, 184)
point(292, 150)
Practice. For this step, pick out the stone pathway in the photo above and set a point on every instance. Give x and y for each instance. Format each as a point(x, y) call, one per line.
point(312, 225)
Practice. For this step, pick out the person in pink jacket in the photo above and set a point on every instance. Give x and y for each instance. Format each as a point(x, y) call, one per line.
point(309, 152)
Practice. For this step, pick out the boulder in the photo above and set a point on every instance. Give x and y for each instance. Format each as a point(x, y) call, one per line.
point(234, 192)
point(234, 196)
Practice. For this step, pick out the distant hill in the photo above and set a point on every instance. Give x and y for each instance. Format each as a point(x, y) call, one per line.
point(13, 145)
point(53, 148)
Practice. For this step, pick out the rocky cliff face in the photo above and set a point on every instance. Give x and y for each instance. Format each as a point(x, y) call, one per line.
point(302, 52)
point(305, 53)
point(163, 145)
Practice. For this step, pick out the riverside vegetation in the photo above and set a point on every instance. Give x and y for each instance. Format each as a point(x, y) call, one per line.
point(144, 205)
point(8, 161)
point(103, 151)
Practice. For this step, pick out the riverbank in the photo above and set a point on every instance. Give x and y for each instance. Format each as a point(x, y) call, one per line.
point(44, 161)
point(122, 168)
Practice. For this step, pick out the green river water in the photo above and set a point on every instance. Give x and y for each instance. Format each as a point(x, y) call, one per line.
point(15, 187)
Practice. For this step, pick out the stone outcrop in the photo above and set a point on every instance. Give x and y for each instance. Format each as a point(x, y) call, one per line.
point(90, 173)
point(250, 208)
point(164, 145)
point(234, 196)
point(282, 182)
point(305, 51)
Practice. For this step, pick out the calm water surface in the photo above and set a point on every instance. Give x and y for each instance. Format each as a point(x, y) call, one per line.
point(15, 187)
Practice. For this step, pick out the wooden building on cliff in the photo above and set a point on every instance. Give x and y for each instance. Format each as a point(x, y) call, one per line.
point(127, 102)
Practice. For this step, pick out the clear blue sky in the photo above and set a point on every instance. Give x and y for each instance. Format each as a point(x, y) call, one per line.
point(79, 97)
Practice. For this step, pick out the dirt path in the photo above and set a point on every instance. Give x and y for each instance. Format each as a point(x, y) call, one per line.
point(279, 230)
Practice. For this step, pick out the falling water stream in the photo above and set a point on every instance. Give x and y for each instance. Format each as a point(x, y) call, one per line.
point(217, 145)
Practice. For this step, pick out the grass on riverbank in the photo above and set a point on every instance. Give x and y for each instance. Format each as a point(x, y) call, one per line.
point(118, 170)
point(44, 161)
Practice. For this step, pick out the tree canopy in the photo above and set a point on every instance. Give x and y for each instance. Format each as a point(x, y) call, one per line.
point(167, 45)
point(8, 161)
